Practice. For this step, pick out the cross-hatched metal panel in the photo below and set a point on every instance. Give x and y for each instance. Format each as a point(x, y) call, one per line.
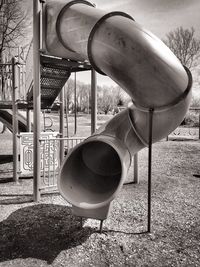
point(49, 83)
point(54, 74)
point(49, 93)
point(50, 70)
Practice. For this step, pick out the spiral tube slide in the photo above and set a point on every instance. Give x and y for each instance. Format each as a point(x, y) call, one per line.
point(93, 173)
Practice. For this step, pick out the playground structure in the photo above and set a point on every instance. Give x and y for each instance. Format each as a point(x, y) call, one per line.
point(115, 45)
point(145, 68)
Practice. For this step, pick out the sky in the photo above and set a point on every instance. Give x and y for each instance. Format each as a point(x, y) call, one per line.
point(157, 16)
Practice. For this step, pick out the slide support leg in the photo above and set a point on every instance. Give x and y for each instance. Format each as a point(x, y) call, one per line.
point(149, 169)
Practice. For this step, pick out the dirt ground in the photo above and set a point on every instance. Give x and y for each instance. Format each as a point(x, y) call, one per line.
point(47, 234)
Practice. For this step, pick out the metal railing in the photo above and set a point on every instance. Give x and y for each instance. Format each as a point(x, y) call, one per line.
point(29, 67)
point(50, 159)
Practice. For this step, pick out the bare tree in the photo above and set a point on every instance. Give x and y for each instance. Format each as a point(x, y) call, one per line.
point(12, 25)
point(184, 45)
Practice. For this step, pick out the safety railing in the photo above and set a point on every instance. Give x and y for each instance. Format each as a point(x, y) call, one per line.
point(50, 161)
point(50, 147)
point(50, 158)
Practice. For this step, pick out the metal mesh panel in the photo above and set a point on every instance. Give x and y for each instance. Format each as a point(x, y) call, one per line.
point(50, 70)
point(49, 93)
point(53, 77)
point(49, 83)
point(54, 74)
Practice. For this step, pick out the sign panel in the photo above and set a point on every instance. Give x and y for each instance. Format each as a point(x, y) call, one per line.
point(48, 152)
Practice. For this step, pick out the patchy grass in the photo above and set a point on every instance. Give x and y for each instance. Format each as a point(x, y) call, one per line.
point(47, 234)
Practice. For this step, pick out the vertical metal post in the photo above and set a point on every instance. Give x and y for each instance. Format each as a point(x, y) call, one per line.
point(61, 124)
point(135, 170)
point(18, 80)
point(93, 101)
point(199, 125)
point(28, 120)
point(36, 100)
point(101, 226)
point(23, 82)
point(15, 123)
point(66, 114)
point(149, 168)
point(44, 120)
point(75, 107)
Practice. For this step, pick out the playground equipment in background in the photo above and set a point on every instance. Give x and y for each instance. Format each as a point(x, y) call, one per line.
point(53, 75)
point(6, 117)
point(16, 88)
point(49, 152)
point(48, 122)
point(160, 87)
point(50, 159)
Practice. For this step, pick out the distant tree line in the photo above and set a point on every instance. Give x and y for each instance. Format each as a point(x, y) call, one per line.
point(109, 98)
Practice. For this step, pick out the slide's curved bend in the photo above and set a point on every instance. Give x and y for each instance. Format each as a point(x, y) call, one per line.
point(144, 67)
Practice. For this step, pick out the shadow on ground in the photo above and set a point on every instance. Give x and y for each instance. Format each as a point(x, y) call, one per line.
point(40, 231)
point(15, 199)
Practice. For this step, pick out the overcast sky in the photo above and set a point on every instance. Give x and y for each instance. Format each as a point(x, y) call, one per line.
point(158, 16)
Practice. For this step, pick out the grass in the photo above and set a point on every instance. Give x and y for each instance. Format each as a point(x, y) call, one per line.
point(47, 234)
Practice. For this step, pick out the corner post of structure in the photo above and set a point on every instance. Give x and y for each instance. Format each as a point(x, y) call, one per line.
point(151, 111)
point(93, 101)
point(36, 100)
point(15, 123)
point(62, 107)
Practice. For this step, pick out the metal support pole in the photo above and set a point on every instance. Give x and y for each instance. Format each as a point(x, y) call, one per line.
point(149, 168)
point(199, 125)
point(101, 226)
point(15, 123)
point(36, 100)
point(66, 114)
point(28, 120)
point(135, 170)
point(75, 107)
point(62, 124)
point(93, 101)
point(44, 120)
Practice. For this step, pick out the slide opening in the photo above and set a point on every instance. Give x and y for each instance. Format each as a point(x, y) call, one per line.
point(91, 174)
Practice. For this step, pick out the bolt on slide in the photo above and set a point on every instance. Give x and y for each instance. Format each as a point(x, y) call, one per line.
point(141, 64)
